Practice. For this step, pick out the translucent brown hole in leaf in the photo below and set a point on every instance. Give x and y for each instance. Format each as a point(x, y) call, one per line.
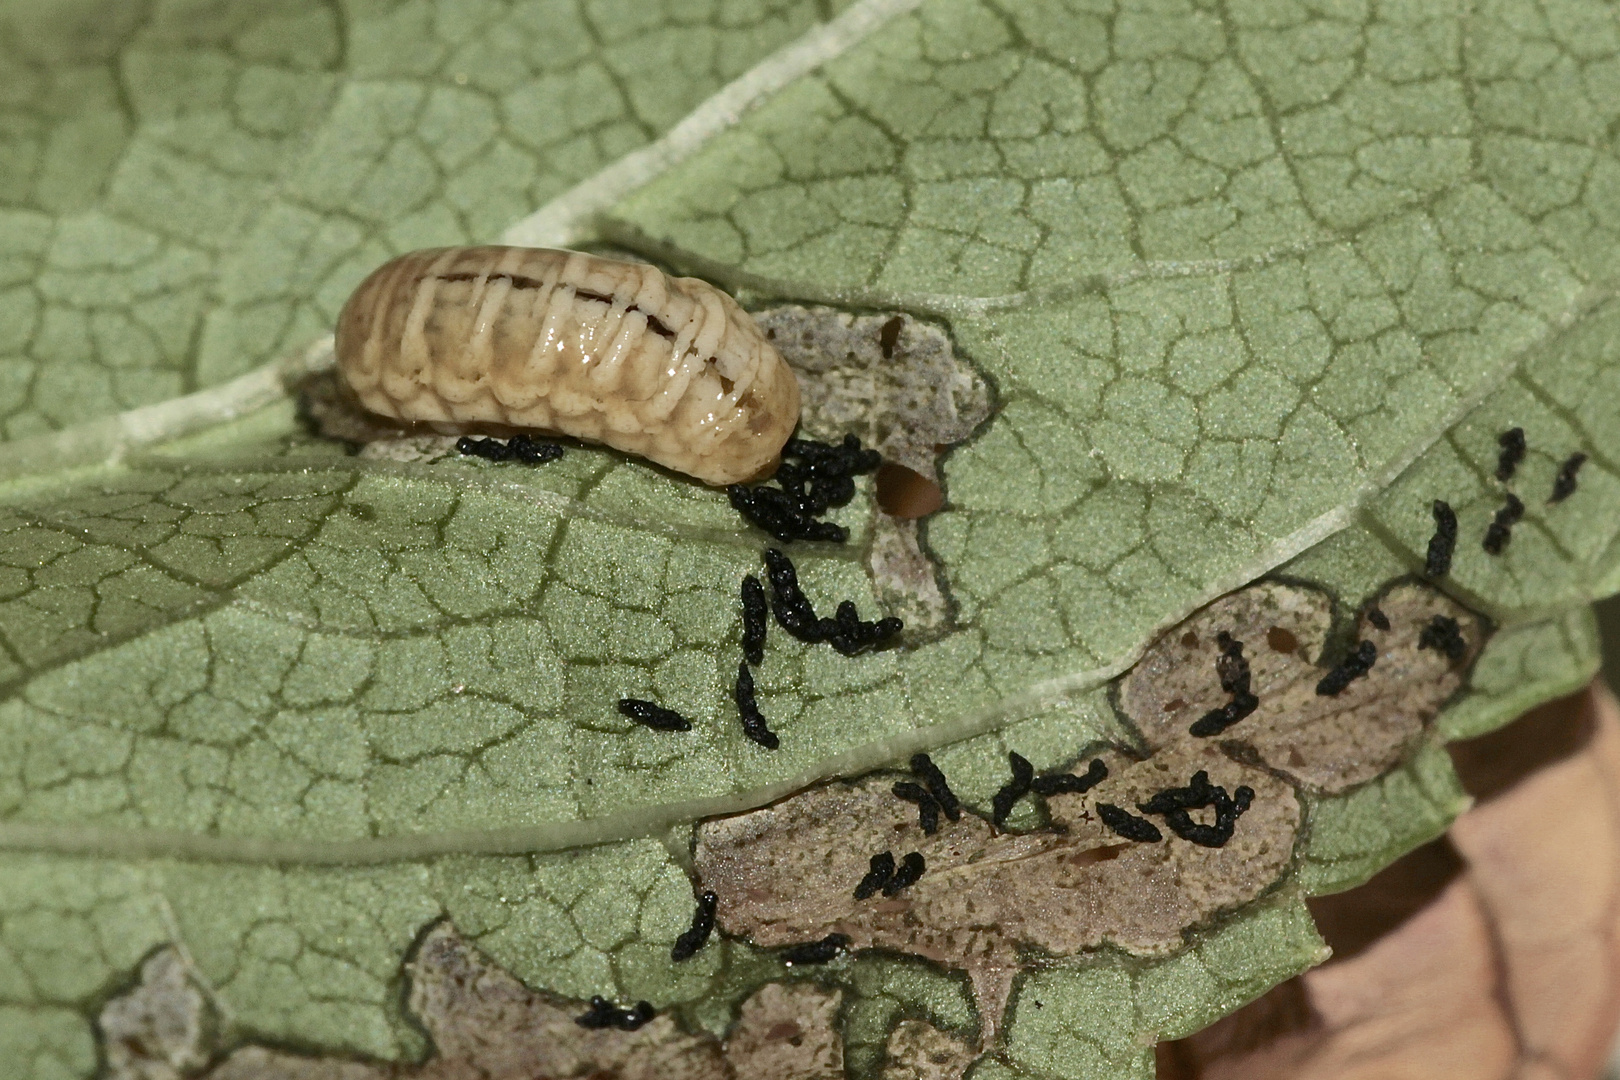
point(1284, 1010)
point(1549, 733)
point(1282, 640)
point(1097, 854)
point(905, 493)
point(1352, 921)
point(889, 335)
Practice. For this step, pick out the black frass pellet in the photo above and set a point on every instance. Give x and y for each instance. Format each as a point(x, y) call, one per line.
point(533, 451)
point(601, 1014)
point(1443, 543)
point(1444, 635)
point(1129, 825)
point(847, 633)
point(1227, 810)
point(1564, 482)
point(851, 635)
point(777, 513)
point(1500, 530)
point(923, 767)
point(697, 936)
point(1352, 667)
point(1175, 806)
point(634, 1017)
point(815, 952)
point(1218, 720)
point(911, 868)
point(753, 724)
point(1198, 792)
point(880, 868)
point(518, 448)
point(819, 459)
point(488, 449)
point(1507, 462)
point(1233, 669)
point(649, 714)
point(604, 1014)
point(1377, 617)
point(1231, 665)
point(927, 805)
point(1069, 783)
point(1023, 774)
point(792, 608)
point(813, 478)
point(755, 615)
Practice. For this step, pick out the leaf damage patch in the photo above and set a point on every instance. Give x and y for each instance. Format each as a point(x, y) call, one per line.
point(1326, 742)
point(988, 900)
point(917, 1050)
point(897, 384)
point(161, 1028)
point(486, 1025)
point(1136, 852)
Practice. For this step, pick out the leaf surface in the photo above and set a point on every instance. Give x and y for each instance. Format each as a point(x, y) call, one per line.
point(1252, 288)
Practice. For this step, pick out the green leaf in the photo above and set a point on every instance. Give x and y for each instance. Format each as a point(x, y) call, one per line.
point(193, 191)
point(1253, 286)
point(1079, 1023)
point(1353, 836)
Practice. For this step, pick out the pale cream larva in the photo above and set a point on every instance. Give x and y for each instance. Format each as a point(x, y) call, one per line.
point(607, 351)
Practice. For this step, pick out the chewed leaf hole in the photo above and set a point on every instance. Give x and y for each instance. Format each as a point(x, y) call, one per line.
point(905, 493)
point(1282, 640)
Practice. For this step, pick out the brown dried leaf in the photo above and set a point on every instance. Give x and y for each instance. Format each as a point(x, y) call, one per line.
point(787, 873)
point(890, 379)
point(1511, 970)
point(904, 575)
point(989, 900)
point(260, 1063)
point(1326, 743)
point(918, 1050)
point(788, 1032)
point(486, 1025)
point(160, 1029)
point(897, 384)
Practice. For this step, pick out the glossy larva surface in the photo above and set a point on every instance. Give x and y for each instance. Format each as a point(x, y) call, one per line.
point(671, 369)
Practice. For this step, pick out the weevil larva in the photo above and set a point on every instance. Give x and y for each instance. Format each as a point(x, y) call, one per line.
point(671, 369)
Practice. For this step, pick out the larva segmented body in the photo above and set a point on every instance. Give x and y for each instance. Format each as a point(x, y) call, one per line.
point(671, 369)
